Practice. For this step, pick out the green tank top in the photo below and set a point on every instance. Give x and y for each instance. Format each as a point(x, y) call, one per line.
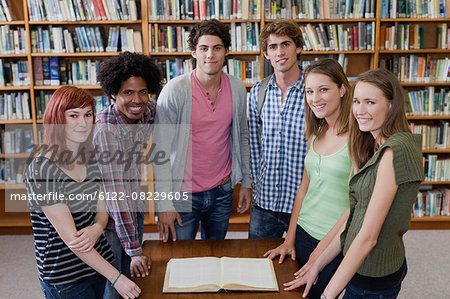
point(327, 196)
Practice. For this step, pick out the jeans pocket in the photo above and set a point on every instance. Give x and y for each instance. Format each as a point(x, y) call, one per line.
point(63, 290)
point(226, 188)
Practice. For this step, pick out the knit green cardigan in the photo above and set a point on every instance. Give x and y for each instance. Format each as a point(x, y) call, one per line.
point(389, 253)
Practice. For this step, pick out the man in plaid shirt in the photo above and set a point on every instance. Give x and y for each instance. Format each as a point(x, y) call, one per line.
point(121, 131)
point(277, 153)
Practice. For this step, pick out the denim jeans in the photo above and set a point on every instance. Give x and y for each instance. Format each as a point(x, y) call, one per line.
point(304, 246)
point(267, 224)
point(354, 292)
point(121, 259)
point(89, 289)
point(212, 209)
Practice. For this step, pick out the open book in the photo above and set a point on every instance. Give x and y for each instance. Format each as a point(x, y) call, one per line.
point(213, 274)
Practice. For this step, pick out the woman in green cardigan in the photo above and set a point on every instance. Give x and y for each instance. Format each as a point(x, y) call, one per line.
point(387, 162)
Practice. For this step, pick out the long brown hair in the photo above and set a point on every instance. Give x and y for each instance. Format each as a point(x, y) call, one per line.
point(332, 69)
point(362, 145)
point(65, 98)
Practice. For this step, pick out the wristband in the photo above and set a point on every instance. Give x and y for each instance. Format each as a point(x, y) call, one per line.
point(120, 273)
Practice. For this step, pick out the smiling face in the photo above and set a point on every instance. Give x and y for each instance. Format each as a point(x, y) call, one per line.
point(370, 107)
point(132, 99)
point(210, 55)
point(281, 52)
point(323, 96)
point(78, 126)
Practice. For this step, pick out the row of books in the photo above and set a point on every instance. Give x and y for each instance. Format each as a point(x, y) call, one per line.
point(203, 9)
point(13, 41)
point(433, 137)
point(244, 37)
point(323, 9)
point(57, 71)
point(130, 40)
point(171, 69)
point(82, 10)
point(434, 202)
point(15, 105)
point(415, 9)
point(418, 68)
point(428, 102)
point(42, 98)
point(436, 170)
point(63, 40)
point(247, 71)
point(5, 15)
point(85, 39)
point(14, 73)
point(411, 36)
point(335, 37)
point(17, 141)
point(11, 171)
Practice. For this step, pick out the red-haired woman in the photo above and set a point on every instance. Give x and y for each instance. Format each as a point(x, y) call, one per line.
point(66, 216)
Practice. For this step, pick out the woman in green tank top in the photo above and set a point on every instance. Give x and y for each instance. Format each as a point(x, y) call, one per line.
point(322, 197)
point(387, 161)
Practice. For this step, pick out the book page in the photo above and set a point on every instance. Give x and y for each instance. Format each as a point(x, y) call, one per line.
point(191, 272)
point(253, 272)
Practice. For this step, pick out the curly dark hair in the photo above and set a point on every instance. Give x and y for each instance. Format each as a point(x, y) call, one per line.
point(209, 27)
point(115, 70)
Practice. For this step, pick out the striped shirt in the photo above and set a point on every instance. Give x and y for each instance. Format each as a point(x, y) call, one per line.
point(113, 135)
point(277, 164)
point(57, 264)
point(327, 196)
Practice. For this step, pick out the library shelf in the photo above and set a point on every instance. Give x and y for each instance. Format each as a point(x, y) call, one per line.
point(12, 88)
point(15, 121)
point(162, 53)
point(436, 150)
point(14, 155)
point(192, 22)
point(326, 52)
point(328, 20)
point(415, 51)
point(13, 23)
point(99, 22)
point(76, 54)
point(431, 83)
point(6, 186)
point(4, 55)
point(55, 87)
point(435, 183)
point(430, 222)
point(414, 20)
point(427, 117)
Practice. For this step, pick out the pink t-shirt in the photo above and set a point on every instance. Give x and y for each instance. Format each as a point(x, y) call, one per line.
point(210, 137)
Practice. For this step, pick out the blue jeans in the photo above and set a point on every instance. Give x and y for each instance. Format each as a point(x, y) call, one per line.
point(212, 209)
point(354, 292)
point(304, 246)
point(89, 289)
point(267, 224)
point(121, 259)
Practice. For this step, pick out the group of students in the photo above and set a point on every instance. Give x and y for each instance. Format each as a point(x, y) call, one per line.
point(333, 166)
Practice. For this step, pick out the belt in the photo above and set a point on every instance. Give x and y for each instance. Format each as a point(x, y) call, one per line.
point(225, 180)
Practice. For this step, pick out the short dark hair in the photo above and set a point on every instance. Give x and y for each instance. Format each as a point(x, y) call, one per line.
point(115, 70)
point(281, 28)
point(209, 27)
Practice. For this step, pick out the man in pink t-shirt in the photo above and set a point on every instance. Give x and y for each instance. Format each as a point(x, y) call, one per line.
point(207, 161)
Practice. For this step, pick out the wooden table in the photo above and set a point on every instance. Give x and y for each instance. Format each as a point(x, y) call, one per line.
point(161, 253)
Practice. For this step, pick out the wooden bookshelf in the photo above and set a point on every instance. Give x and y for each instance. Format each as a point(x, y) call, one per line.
point(359, 61)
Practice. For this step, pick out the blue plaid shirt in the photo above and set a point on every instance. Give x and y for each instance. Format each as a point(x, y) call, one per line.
point(277, 164)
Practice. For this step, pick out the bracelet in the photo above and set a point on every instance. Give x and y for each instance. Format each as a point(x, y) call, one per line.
point(120, 273)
